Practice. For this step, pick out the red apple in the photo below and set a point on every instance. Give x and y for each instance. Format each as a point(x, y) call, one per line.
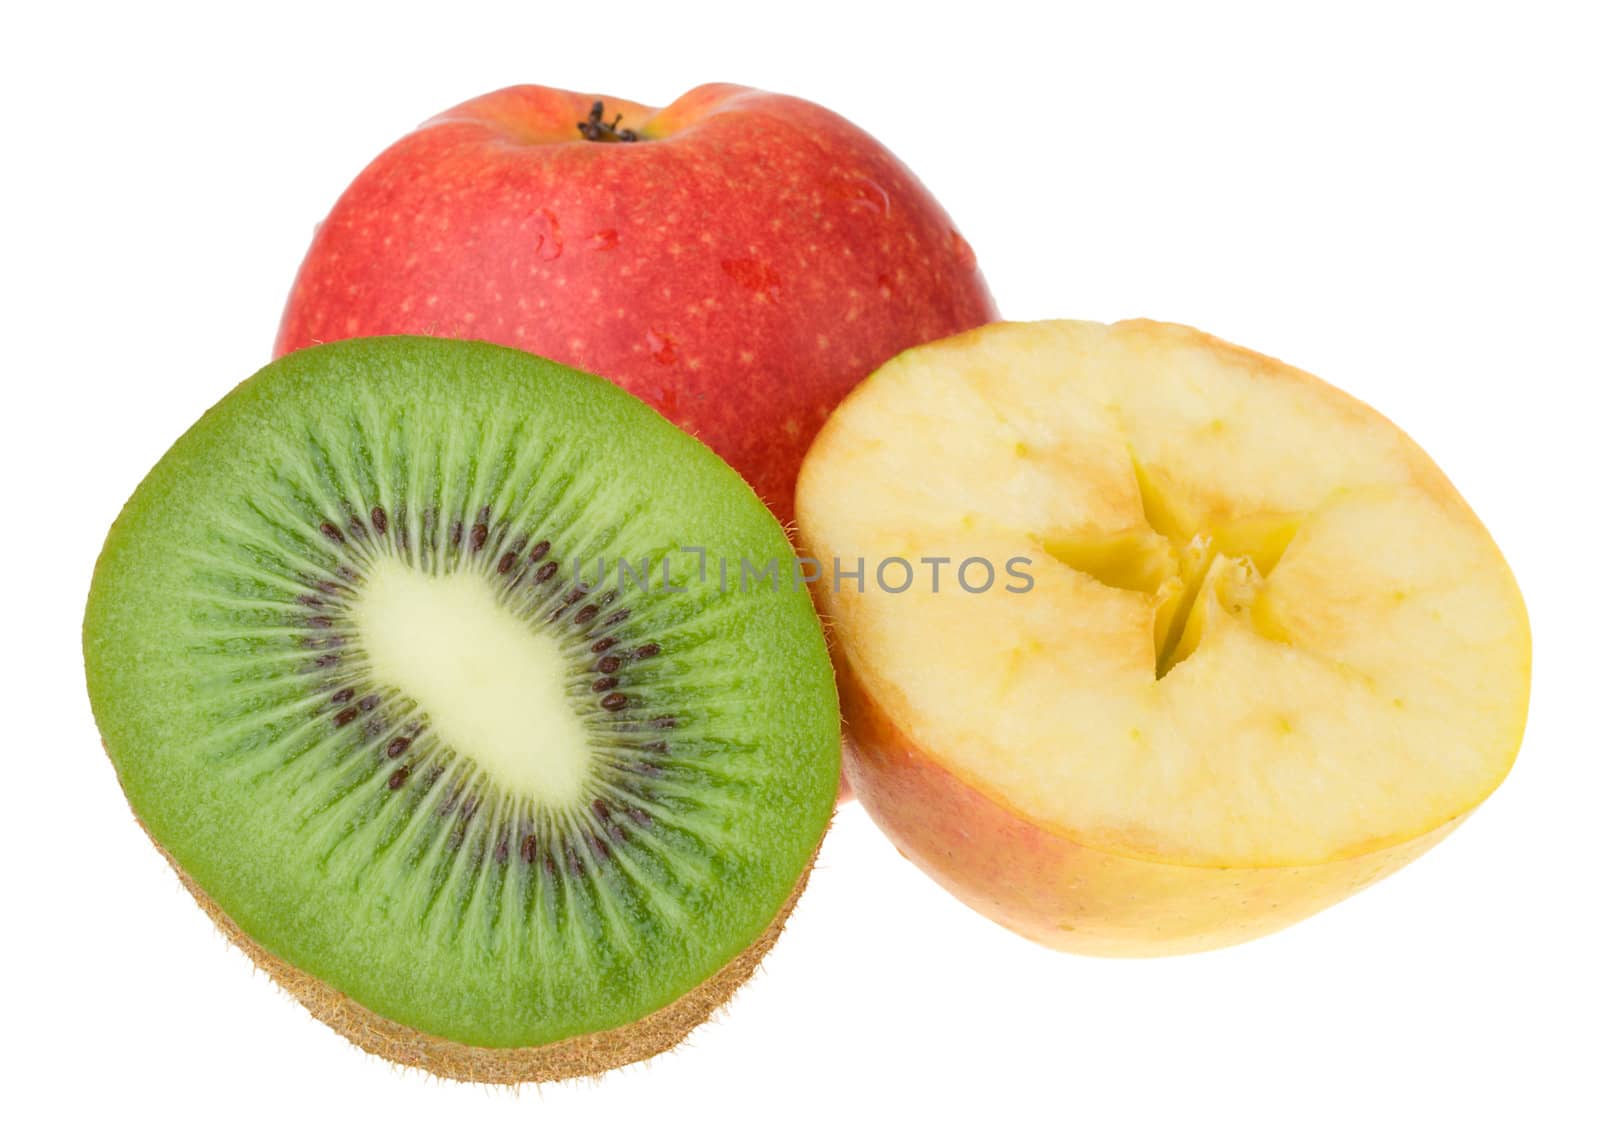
point(740, 260)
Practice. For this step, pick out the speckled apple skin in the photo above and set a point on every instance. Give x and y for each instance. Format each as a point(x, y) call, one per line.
point(741, 268)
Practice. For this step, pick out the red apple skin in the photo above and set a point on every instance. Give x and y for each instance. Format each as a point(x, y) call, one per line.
point(1062, 893)
point(740, 269)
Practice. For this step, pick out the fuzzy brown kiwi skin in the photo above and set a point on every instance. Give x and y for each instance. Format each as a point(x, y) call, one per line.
point(587, 1056)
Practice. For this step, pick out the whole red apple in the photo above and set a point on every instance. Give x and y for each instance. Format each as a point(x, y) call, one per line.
point(739, 259)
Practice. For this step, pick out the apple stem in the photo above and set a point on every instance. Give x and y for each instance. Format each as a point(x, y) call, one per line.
point(596, 129)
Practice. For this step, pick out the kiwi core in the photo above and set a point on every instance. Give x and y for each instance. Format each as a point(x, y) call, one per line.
point(493, 687)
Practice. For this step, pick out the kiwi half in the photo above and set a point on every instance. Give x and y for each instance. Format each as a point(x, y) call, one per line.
point(374, 679)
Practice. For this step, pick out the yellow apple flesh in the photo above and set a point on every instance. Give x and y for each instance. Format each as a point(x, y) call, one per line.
point(1244, 650)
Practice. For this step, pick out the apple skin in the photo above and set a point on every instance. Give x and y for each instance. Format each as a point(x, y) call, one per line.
point(1058, 892)
point(740, 268)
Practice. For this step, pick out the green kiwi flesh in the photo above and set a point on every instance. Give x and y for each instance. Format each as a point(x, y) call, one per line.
point(367, 683)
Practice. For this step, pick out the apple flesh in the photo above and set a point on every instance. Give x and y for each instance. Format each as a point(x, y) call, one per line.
point(1264, 653)
point(740, 260)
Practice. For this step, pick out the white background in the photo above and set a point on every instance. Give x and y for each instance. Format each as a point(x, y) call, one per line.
point(1400, 199)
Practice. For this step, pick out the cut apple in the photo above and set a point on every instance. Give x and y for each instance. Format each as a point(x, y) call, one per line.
point(1253, 652)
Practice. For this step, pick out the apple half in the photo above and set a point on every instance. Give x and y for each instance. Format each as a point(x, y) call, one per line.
point(1150, 644)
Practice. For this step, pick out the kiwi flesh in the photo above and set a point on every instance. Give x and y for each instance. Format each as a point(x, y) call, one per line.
point(374, 678)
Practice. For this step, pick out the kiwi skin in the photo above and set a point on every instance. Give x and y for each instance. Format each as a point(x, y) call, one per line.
point(133, 683)
point(586, 1056)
